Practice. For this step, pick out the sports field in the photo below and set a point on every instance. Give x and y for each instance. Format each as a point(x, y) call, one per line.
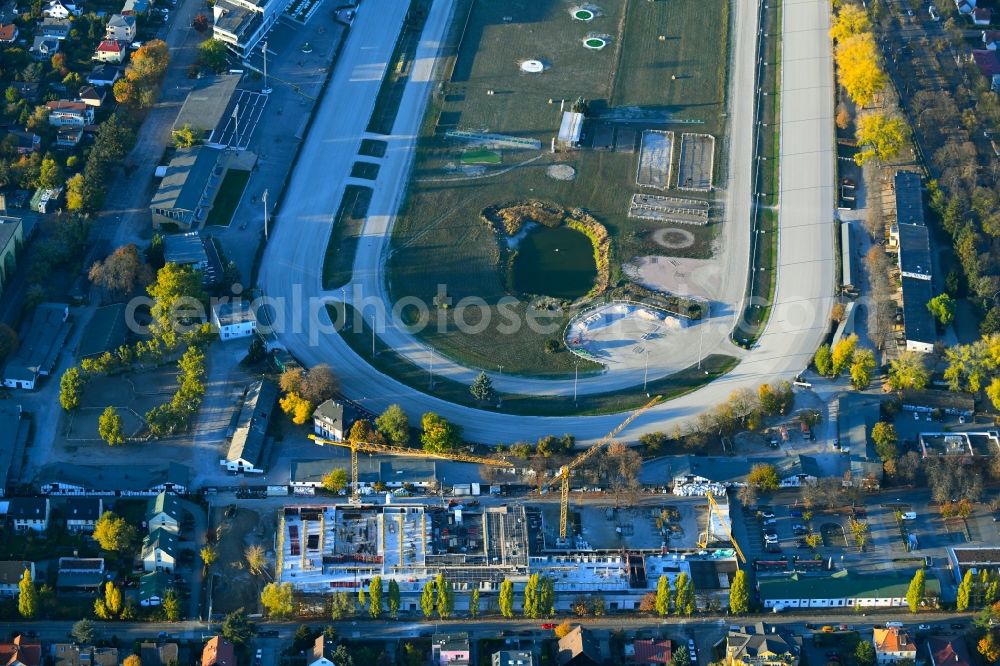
point(663, 64)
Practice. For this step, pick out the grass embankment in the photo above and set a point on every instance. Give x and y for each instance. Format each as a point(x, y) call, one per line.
point(338, 262)
point(387, 361)
point(764, 245)
point(398, 72)
point(228, 198)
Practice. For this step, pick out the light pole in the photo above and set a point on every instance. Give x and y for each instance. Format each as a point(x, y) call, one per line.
point(266, 90)
point(265, 214)
point(373, 335)
point(576, 376)
point(645, 371)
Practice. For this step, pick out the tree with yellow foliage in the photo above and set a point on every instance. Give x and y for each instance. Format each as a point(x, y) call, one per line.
point(858, 66)
point(851, 20)
point(296, 407)
point(880, 136)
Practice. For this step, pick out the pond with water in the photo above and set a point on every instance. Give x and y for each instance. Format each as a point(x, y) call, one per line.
point(554, 262)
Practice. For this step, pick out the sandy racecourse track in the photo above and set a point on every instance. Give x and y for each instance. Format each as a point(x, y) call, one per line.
point(294, 257)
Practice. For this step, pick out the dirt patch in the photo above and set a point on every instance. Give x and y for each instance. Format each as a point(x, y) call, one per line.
point(510, 218)
point(234, 587)
point(674, 239)
point(561, 172)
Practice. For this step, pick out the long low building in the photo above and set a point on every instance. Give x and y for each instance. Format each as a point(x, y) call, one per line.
point(114, 480)
point(842, 589)
point(39, 346)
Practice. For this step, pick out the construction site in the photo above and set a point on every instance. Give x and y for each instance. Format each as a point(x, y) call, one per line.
point(343, 547)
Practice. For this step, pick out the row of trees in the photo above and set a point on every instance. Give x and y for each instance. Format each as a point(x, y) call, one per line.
point(139, 88)
point(846, 355)
point(305, 390)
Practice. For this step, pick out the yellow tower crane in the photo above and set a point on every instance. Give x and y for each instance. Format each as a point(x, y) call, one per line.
point(563, 476)
point(399, 451)
point(713, 507)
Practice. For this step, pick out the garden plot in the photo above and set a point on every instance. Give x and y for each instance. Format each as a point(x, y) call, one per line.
point(696, 162)
point(669, 209)
point(654, 159)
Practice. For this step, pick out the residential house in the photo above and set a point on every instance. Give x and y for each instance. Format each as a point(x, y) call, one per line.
point(8, 33)
point(57, 28)
point(153, 588)
point(29, 513)
point(164, 512)
point(43, 48)
point(948, 651)
point(647, 652)
point(40, 346)
point(110, 50)
point(512, 658)
point(80, 574)
point(761, 645)
point(579, 648)
point(45, 200)
point(328, 420)
point(842, 589)
point(67, 137)
point(234, 319)
point(159, 551)
point(82, 513)
point(987, 62)
point(24, 142)
point(982, 15)
point(69, 654)
point(892, 645)
point(72, 113)
point(965, 7)
point(135, 7)
point(104, 75)
point(121, 28)
point(322, 652)
point(92, 96)
point(21, 651)
point(246, 448)
point(11, 572)
point(990, 39)
point(59, 9)
point(159, 654)
point(218, 652)
point(450, 649)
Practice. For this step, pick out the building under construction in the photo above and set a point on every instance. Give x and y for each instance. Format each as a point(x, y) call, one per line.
point(325, 548)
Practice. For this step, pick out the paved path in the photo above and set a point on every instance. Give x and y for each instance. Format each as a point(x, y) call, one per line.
point(804, 295)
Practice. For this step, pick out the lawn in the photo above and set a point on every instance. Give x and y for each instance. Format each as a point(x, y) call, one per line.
point(440, 239)
point(228, 198)
point(339, 258)
point(386, 360)
point(481, 157)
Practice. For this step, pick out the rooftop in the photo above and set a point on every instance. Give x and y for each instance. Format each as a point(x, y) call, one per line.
point(28, 508)
point(109, 479)
point(914, 249)
point(841, 585)
point(40, 346)
point(104, 332)
point(12, 570)
point(917, 319)
point(188, 175)
point(948, 651)
point(235, 19)
point(10, 429)
point(82, 508)
point(184, 249)
point(251, 427)
point(232, 313)
point(909, 201)
point(207, 103)
point(892, 639)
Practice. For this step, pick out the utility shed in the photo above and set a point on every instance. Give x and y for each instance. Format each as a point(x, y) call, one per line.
point(570, 129)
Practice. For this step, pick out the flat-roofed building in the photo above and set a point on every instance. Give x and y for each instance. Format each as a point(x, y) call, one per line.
point(246, 448)
point(241, 24)
point(188, 190)
point(39, 347)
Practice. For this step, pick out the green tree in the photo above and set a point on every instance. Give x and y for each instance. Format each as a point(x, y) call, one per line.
point(362, 599)
point(178, 300)
point(237, 627)
point(208, 555)
point(942, 307)
point(27, 596)
point(663, 596)
point(680, 657)
point(341, 605)
point(823, 361)
point(113, 598)
point(474, 603)
point(278, 599)
point(171, 606)
point(183, 137)
point(547, 597)
point(394, 425)
point(111, 427)
point(506, 600)
point(427, 600)
point(864, 654)
point(739, 594)
point(84, 632)
point(764, 477)
point(445, 597)
point(393, 598)
point(482, 388)
point(439, 435)
point(113, 534)
point(862, 367)
point(963, 598)
point(529, 605)
point(375, 597)
point(684, 595)
point(908, 371)
point(885, 438)
point(71, 389)
point(335, 481)
point(915, 593)
point(213, 56)
point(880, 136)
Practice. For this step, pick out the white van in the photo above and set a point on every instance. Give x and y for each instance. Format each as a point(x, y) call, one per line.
point(910, 515)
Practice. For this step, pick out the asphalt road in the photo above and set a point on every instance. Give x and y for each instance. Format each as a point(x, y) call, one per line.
point(804, 295)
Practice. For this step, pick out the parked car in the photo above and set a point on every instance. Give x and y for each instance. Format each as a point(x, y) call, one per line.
point(548, 625)
point(799, 528)
point(924, 627)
